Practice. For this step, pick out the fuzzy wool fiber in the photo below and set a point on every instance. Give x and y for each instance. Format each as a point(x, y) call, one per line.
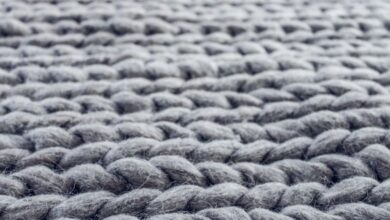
point(195, 110)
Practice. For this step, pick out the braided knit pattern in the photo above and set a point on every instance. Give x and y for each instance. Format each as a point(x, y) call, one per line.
point(195, 110)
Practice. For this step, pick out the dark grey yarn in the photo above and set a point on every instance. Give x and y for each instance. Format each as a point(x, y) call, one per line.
point(195, 110)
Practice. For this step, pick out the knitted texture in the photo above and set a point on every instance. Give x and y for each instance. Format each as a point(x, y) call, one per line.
point(195, 110)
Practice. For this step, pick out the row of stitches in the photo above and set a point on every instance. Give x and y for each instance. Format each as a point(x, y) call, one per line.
point(186, 68)
point(69, 131)
point(120, 25)
point(227, 64)
point(269, 86)
point(163, 172)
point(338, 53)
point(258, 201)
point(252, 72)
point(214, 44)
point(339, 141)
point(77, 12)
point(193, 45)
point(187, 46)
point(180, 110)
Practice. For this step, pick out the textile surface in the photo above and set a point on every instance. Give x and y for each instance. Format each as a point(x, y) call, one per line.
point(195, 110)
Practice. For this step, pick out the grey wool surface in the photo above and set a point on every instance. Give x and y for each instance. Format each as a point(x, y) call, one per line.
point(195, 110)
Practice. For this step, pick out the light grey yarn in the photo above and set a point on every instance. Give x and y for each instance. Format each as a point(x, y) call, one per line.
point(195, 110)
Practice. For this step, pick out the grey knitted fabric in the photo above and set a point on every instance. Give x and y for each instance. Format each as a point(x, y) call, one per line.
point(195, 110)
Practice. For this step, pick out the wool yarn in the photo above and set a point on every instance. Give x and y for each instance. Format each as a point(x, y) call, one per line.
point(195, 110)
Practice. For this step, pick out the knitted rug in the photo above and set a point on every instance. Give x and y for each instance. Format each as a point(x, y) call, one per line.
point(195, 110)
